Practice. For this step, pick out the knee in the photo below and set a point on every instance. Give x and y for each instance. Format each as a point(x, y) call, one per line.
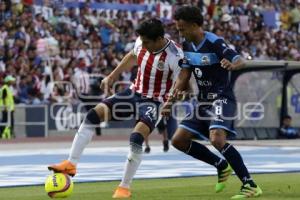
point(136, 139)
point(181, 145)
point(175, 143)
point(218, 138)
point(92, 117)
point(103, 112)
point(136, 149)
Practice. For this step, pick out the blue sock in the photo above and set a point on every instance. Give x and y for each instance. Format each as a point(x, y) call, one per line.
point(201, 152)
point(136, 142)
point(234, 158)
point(92, 118)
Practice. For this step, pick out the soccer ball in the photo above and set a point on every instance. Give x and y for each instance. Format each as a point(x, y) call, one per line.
point(59, 185)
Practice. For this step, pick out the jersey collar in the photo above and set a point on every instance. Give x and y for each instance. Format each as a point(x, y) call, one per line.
point(159, 51)
point(199, 45)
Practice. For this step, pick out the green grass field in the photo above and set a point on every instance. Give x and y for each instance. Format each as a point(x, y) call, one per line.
point(275, 187)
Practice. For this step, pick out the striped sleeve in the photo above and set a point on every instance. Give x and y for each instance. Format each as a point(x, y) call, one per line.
point(137, 45)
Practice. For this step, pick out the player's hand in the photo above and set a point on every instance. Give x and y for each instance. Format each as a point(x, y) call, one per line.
point(166, 109)
point(106, 85)
point(226, 64)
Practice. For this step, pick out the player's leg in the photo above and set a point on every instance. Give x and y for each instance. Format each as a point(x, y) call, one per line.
point(217, 140)
point(105, 111)
point(133, 161)
point(233, 157)
point(192, 127)
point(147, 145)
point(197, 126)
point(183, 141)
point(220, 127)
point(83, 136)
point(147, 119)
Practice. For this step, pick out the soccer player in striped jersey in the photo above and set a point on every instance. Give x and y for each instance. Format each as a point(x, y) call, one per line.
point(157, 59)
point(210, 60)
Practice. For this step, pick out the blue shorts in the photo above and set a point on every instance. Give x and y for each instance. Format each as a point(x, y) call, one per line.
point(212, 115)
point(128, 105)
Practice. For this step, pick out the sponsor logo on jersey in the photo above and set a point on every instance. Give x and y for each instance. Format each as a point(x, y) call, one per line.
point(198, 72)
point(220, 101)
point(204, 83)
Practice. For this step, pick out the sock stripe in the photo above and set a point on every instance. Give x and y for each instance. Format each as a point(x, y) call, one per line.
point(189, 149)
point(226, 148)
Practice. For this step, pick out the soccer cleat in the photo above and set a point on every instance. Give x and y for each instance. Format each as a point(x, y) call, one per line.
point(248, 192)
point(64, 167)
point(121, 193)
point(223, 176)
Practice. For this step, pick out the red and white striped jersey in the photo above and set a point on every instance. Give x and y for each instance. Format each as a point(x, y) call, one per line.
point(157, 71)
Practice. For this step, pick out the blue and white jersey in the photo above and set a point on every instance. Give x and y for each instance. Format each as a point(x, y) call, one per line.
point(204, 60)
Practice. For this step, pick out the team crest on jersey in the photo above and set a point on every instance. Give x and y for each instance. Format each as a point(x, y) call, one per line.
point(161, 65)
point(205, 60)
point(198, 72)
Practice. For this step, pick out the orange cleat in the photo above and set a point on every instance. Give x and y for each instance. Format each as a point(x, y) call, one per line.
point(122, 193)
point(64, 167)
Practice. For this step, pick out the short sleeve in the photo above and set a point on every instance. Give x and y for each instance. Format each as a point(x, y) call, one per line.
point(137, 45)
point(176, 65)
point(224, 51)
point(184, 62)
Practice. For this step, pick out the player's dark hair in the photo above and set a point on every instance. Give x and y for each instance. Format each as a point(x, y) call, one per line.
point(151, 29)
point(287, 117)
point(189, 14)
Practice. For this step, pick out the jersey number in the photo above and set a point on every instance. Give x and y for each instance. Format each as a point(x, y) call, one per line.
point(218, 110)
point(151, 111)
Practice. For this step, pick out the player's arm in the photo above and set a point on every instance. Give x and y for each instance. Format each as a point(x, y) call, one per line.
point(230, 59)
point(235, 65)
point(182, 74)
point(180, 86)
point(128, 61)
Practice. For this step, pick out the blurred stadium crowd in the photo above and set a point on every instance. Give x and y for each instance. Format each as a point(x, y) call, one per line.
point(41, 44)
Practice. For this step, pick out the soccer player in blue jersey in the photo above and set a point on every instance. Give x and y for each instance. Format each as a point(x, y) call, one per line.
point(210, 60)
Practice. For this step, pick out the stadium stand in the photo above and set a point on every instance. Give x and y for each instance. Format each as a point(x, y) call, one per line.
point(272, 133)
point(261, 133)
point(42, 42)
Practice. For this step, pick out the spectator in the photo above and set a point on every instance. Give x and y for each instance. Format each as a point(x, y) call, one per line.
point(34, 97)
point(22, 96)
point(287, 131)
point(8, 107)
point(32, 38)
point(81, 79)
point(285, 18)
point(46, 88)
point(295, 17)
